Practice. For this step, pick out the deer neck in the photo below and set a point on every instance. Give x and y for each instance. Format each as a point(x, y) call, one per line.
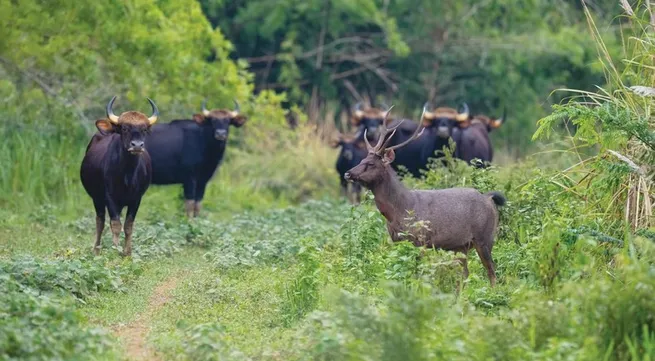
point(391, 196)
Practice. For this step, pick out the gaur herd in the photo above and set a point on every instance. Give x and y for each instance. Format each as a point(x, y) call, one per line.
point(129, 152)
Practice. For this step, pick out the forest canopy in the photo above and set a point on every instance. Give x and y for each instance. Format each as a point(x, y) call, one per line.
point(321, 55)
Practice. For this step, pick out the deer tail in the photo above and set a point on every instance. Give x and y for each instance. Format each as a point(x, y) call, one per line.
point(497, 197)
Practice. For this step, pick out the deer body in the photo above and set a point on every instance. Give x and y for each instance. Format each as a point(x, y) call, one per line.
point(454, 219)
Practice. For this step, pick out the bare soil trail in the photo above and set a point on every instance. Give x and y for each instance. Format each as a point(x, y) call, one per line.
point(134, 334)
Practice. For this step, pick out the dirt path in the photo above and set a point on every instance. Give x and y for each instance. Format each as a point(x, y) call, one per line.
point(134, 334)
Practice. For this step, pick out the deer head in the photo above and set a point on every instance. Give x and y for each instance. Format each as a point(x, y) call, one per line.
point(374, 168)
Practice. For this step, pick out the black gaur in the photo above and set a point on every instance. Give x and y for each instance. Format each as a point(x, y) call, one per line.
point(116, 170)
point(352, 152)
point(188, 151)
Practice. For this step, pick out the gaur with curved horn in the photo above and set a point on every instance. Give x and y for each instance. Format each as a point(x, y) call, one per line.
point(116, 170)
point(189, 151)
point(114, 118)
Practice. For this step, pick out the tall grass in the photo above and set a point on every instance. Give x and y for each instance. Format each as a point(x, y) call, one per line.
point(619, 180)
point(41, 162)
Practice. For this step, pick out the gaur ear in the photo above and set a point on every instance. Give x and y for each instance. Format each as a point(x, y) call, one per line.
point(199, 118)
point(426, 122)
point(239, 120)
point(389, 156)
point(463, 124)
point(104, 126)
point(335, 143)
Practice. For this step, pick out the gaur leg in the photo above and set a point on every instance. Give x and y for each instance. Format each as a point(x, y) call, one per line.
point(129, 224)
point(114, 219)
point(485, 256)
point(344, 187)
point(200, 194)
point(357, 193)
point(100, 224)
point(189, 196)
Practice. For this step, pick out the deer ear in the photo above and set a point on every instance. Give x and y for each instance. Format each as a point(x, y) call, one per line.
point(199, 118)
point(389, 156)
point(104, 126)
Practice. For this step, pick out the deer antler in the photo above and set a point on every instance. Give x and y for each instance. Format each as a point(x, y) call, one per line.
point(416, 134)
point(383, 134)
point(383, 140)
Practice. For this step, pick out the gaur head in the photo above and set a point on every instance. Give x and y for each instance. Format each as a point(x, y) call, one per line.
point(369, 120)
point(218, 121)
point(350, 148)
point(131, 126)
point(488, 122)
point(442, 120)
point(374, 168)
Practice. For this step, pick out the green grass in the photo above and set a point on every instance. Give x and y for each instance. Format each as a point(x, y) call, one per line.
point(320, 280)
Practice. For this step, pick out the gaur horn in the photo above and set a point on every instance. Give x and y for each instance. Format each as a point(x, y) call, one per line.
point(110, 113)
point(155, 112)
point(358, 111)
point(237, 108)
point(464, 116)
point(426, 113)
point(498, 122)
point(205, 112)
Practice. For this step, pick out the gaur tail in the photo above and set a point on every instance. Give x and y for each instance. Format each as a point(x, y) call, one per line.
point(497, 197)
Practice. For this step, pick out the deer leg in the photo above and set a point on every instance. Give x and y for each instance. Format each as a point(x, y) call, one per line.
point(485, 256)
point(465, 272)
point(100, 225)
point(465, 267)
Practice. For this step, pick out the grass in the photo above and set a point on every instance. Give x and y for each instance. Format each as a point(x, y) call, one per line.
point(320, 280)
point(277, 268)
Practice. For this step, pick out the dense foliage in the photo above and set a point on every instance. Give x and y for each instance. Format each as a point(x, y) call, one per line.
point(277, 269)
point(329, 54)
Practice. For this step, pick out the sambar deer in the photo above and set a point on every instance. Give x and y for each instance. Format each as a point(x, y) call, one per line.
point(453, 219)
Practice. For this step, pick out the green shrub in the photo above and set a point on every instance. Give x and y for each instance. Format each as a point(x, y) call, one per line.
point(80, 278)
point(36, 326)
point(274, 236)
point(301, 296)
point(209, 342)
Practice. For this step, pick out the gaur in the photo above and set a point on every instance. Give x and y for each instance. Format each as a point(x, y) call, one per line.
point(188, 151)
point(472, 138)
point(438, 126)
point(352, 152)
point(116, 170)
point(453, 219)
point(368, 121)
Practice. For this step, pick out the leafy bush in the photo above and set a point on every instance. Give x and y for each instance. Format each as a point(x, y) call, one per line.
point(80, 278)
point(302, 295)
point(275, 236)
point(35, 326)
point(209, 342)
